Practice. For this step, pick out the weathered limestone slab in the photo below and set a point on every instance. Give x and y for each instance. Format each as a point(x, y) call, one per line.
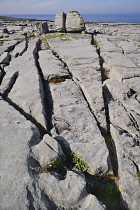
point(116, 90)
point(133, 83)
point(83, 62)
point(121, 93)
point(5, 58)
point(117, 59)
point(121, 118)
point(27, 90)
point(135, 58)
point(122, 73)
point(128, 161)
point(19, 49)
point(47, 151)
point(60, 20)
point(69, 193)
point(105, 45)
point(51, 66)
point(8, 46)
point(12, 28)
point(74, 22)
point(76, 124)
point(16, 133)
point(128, 47)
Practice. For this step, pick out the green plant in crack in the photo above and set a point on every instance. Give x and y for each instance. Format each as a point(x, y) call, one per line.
point(60, 166)
point(79, 164)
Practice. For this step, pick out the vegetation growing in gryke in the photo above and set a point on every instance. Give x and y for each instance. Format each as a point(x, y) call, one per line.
point(105, 190)
point(57, 80)
point(62, 165)
point(102, 185)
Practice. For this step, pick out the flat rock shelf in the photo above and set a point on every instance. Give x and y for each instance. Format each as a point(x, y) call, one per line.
point(69, 116)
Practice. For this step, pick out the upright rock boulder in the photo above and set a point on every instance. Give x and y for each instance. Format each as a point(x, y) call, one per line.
point(74, 22)
point(42, 27)
point(60, 21)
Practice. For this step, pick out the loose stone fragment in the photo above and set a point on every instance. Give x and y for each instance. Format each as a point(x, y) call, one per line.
point(47, 151)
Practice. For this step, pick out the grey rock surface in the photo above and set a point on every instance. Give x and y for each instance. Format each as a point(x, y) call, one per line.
point(51, 66)
point(15, 137)
point(8, 46)
point(74, 22)
point(60, 21)
point(47, 151)
point(116, 90)
point(128, 161)
point(84, 137)
point(5, 58)
point(23, 76)
point(19, 49)
point(74, 90)
point(69, 192)
point(83, 63)
point(42, 27)
point(133, 83)
point(119, 50)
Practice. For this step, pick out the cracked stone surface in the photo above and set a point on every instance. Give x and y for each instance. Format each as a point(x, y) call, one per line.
point(128, 155)
point(121, 91)
point(51, 66)
point(84, 65)
point(15, 137)
point(74, 184)
point(24, 93)
point(83, 137)
point(70, 93)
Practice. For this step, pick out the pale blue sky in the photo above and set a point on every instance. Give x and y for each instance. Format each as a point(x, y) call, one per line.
point(82, 6)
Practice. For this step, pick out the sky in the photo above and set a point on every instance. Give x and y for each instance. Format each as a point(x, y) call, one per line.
point(47, 7)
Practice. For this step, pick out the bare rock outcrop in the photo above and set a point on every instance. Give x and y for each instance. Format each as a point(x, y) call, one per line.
point(60, 21)
point(70, 116)
point(42, 27)
point(74, 22)
point(70, 192)
point(15, 137)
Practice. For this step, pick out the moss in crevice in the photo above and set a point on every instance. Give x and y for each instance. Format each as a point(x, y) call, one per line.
point(105, 74)
point(112, 152)
point(94, 42)
point(57, 80)
point(138, 173)
point(105, 189)
point(102, 185)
